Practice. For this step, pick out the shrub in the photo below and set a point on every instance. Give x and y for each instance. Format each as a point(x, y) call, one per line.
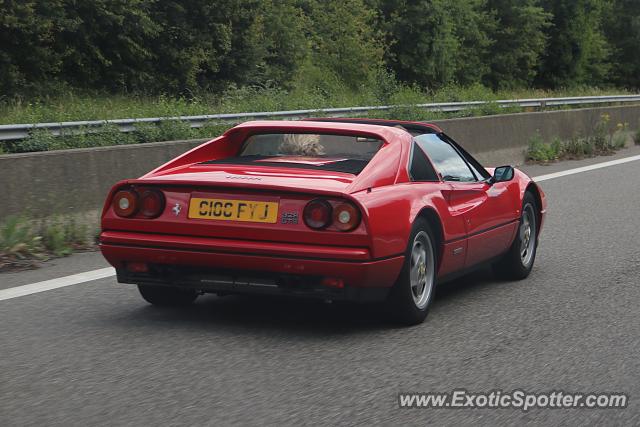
point(38, 140)
point(18, 240)
point(619, 137)
point(54, 240)
point(602, 135)
point(76, 234)
point(61, 236)
point(173, 130)
point(107, 135)
point(146, 132)
point(22, 243)
point(577, 147)
point(211, 130)
point(588, 147)
point(539, 151)
point(557, 146)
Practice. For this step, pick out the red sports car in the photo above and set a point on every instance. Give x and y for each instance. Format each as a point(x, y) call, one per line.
point(338, 209)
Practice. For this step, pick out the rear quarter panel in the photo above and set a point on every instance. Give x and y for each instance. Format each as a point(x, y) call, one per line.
point(392, 210)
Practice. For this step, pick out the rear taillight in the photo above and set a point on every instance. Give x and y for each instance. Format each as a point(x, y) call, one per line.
point(152, 203)
point(338, 215)
point(346, 217)
point(125, 203)
point(317, 214)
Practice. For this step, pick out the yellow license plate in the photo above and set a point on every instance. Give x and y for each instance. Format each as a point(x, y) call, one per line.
point(233, 210)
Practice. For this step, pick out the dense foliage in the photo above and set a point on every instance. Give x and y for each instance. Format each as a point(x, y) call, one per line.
point(180, 48)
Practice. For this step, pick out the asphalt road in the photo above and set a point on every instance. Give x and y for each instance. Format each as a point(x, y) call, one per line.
point(96, 354)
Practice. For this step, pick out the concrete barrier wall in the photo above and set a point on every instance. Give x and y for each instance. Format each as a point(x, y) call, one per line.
point(504, 139)
point(72, 181)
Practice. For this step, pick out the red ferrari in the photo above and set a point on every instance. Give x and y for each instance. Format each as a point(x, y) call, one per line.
point(338, 209)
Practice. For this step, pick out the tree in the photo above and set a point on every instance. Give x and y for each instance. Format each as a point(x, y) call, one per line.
point(622, 27)
point(519, 42)
point(286, 29)
point(473, 27)
point(191, 44)
point(344, 40)
point(435, 42)
point(28, 30)
point(578, 51)
point(105, 44)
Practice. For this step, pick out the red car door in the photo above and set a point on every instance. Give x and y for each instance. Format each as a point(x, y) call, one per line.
point(489, 216)
point(488, 210)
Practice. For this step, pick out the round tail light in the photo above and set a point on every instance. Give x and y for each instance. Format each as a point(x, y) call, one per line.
point(152, 203)
point(317, 214)
point(125, 203)
point(346, 217)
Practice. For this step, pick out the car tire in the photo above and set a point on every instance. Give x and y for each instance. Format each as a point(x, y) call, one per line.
point(167, 296)
point(517, 263)
point(411, 295)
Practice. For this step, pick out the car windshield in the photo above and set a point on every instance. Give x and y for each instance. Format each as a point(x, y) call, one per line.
point(340, 153)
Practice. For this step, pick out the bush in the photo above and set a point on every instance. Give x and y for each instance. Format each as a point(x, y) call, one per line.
point(54, 240)
point(61, 236)
point(601, 133)
point(174, 130)
point(539, 151)
point(619, 137)
point(76, 234)
point(22, 243)
point(38, 140)
point(577, 147)
point(313, 88)
point(18, 240)
point(147, 132)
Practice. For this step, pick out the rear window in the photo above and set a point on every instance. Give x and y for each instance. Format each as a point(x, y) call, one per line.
point(340, 153)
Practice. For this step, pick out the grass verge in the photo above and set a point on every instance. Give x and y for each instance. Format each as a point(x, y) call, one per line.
point(604, 140)
point(98, 106)
point(24, 243)
point(72, 107)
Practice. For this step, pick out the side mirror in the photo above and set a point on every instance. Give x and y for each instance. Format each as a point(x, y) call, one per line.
point(502, 174)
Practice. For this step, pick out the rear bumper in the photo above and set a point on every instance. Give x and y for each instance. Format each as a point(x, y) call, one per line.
point(223, 265)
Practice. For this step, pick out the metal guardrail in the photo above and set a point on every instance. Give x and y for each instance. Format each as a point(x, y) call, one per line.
point(21, 131)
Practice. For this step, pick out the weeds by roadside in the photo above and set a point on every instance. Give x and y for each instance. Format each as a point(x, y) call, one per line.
point(71, 106)
point(19, 245)
point(603, 141)
point(96, 106)
point(24, 243)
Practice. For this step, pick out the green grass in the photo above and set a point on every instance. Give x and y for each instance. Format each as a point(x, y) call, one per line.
point(24, 242)
point(71, 107)
point(605, 139)
point(18, 240)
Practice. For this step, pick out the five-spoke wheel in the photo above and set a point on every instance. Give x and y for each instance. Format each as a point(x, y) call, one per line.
point(412, 293)
point(517, 263)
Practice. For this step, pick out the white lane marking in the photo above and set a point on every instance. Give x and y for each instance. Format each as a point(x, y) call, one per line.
point(586, 168)
point(103, 273)
point(61, 282)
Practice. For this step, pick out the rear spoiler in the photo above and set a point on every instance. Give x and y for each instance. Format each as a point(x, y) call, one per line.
point(412, 127)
